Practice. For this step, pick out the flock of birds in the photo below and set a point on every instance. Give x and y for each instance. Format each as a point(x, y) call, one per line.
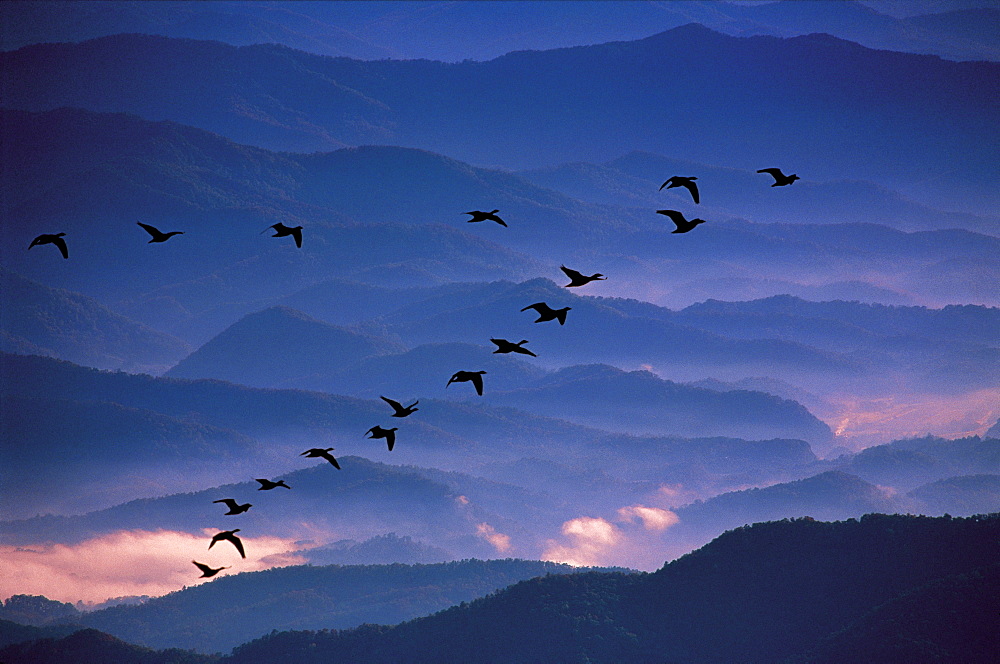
point(544, 311)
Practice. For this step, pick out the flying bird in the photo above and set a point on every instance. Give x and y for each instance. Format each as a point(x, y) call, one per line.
point(546, 313)
point(158, 236)
point(322, 454)
point(267, 485)
point(683, 225)
point(206, 571)
point(280, 230)
point(577, 279)
point(231, 536)
point(476, 377)
point(388, 434)
point(504, 346)
point(682, 181)
point(780, 179)
point(401, 410)
point(56, 239)
point(234, 507)
point(479, 215)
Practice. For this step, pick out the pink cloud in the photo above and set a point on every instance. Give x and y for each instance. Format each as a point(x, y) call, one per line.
point(499, 541)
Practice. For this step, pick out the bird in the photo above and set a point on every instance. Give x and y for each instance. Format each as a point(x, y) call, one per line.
point(504, 346)
point(479, 215)
point(267, 485)
point(207, 571)
point(780, 179)
point(577, 279)
point(476, 377)
point(231, 536)
point(280, 230)
point(56, 239)
point(388, 434)
point(682, 181)
point(322, 454)
point(683, 225)
point(158, 236)
point(546, 313)
point(401, 410)
point(234, 507)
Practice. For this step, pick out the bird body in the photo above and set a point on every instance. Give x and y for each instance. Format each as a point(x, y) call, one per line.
point(475, 377)
point(229, 535)
point(504, 346)
point(388, 434)
point(479, 215)
point(52, 238)
point(267, 485)
point(206, 571)
point(280, 230)
point(320, 453)
point(157, 235)
point(577, 279)
point(780, 179)
point(683, 225)
point(682, 181)
point(234, 507)
point(400, 409)
point(547, 313)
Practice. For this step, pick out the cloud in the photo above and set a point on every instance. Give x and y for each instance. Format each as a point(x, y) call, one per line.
point(499, 541)
point(591, 542)
point(653, 518)
point(130, 562)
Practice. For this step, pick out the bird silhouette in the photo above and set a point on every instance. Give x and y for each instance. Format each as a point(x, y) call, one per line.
point(476, 377)
point(267, 485)
point(280, 230)
point(322, 454)
point(388, 434)
point(56, 239)
point(504, 346)
point(577, 279)
point(682, 181)
point(229, 535)
point(234, 507)
point(206, 571)
point(780, 179)
point(401, 410)
point(158, 236)
point(683, 225)
point(546, 313)
point(479, 215)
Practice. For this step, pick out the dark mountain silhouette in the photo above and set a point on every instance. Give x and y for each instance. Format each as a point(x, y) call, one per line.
point(307, 102)
point(36, 610)
point(959, 496)
point(12, 632)
point(217, 616)
point(279, 347)
point(639, 402)
point(693, 609)
point(47, 321)
point(907, 464)
point(89, 646)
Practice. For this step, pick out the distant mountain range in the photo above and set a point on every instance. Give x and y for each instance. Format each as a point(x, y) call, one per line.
point(873, 115)
point(481, 31)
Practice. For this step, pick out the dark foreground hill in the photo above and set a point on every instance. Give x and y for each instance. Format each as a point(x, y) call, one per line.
point(764, 593)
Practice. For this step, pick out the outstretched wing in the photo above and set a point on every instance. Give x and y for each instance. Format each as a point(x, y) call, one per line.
point(540, 307)
point(572, 274)
point(297, 234)
point(230, 503)
point(675, 217)
point(773, 172)
point(392, 402)
point(477, 380)
point(693, 188)
point(61, 243)
point(152, 230)
point(238, 543)
point(390, 439)
point(205, 569)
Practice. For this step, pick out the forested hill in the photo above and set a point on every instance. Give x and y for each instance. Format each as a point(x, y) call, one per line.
point(770, 592)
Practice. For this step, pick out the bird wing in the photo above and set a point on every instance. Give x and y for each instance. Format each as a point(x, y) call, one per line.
point(392, 402)
point(329, 457)
point(540, 307)
point(498, 220)
point(372, 431)
point(297, 234)
point(152, 230)
point(238, 543)
point(263, 482)
point(665, 184)
point(205, 569)
point(390, 439)
point(477, 380)
point(37, 240)
point(773, 172)
point(61, 243)
point(274, 226)
point(572, 274)
point(693, 188)
point(525, 351)
point(230, 503)
point(675, 217)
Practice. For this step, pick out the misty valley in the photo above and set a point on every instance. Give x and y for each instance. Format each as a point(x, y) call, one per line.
point(250, 264)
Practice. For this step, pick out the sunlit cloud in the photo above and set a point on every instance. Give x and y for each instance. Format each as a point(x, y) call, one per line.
point(499, 541)
point(653, 518)
point(133, 562)
point(461, 500)
point(591, 542)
